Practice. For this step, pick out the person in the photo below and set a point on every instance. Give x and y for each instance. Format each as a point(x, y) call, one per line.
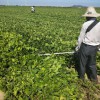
point(88, 42)
point(32, 9)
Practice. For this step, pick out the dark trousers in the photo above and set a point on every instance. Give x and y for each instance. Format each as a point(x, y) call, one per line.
point(87, 62)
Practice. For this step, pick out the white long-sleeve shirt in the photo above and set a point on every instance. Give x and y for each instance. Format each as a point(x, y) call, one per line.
point(92, 37)
point(32, 9)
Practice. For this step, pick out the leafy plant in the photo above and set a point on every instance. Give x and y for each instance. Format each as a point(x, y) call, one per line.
point(24, 75)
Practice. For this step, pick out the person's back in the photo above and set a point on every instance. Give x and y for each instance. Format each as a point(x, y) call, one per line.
point(93, 36)
point(32, 9)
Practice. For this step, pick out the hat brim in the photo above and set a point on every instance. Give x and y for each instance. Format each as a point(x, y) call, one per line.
point(88, 15)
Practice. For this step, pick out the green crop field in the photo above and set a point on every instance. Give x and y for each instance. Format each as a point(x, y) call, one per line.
point(24, 75)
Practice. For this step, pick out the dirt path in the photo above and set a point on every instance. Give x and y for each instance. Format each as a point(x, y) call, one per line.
point(98, 95)
point(99, 78)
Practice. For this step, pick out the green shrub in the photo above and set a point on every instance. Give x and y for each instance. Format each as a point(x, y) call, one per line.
point(25, 75)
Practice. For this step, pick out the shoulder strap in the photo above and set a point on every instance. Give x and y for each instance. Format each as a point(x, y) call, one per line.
point(91, 26)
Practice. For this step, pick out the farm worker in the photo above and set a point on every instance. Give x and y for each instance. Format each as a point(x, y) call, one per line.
point(32, 9)
point(88, 43)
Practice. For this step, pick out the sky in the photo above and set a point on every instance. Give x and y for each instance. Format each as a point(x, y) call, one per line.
point(95, 3)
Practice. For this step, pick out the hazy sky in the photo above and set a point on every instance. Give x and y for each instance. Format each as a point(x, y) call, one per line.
point(51, 2)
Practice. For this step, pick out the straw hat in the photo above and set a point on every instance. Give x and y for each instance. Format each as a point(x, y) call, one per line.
point(91, 12)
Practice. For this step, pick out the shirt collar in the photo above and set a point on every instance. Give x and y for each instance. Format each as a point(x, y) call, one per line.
point(92, 19)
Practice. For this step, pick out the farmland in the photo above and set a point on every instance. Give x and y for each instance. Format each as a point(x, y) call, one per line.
point(24, 75)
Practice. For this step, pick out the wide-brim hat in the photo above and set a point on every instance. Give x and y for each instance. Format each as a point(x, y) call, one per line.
point(91, 12)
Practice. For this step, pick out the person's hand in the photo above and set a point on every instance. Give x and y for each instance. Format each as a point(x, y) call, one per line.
point(77, 48)
point(99, 48)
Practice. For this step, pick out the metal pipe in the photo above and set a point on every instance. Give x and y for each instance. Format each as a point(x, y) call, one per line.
point(60, 53)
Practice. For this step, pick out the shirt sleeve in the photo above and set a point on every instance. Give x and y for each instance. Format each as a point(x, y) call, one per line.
point(81, 36)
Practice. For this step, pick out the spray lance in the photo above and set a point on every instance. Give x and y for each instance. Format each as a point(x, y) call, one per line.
point(60, 53)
